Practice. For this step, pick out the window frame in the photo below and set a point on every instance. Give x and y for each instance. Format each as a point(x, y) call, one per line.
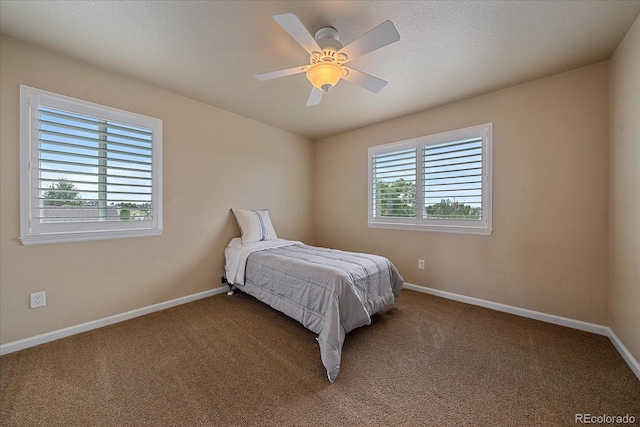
point(418, 222)
point(34, 232)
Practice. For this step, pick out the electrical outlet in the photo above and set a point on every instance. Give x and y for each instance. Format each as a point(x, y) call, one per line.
point(421, 264)
point(38, 299)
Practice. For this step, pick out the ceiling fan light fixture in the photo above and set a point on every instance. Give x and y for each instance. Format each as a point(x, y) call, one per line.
point(327, 56)
point(325, 75)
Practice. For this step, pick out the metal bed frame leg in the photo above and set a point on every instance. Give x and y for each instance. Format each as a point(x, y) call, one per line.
point(232, 288)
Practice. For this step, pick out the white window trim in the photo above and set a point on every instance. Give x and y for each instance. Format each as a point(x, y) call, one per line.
point(483, 227)
point(31, 232)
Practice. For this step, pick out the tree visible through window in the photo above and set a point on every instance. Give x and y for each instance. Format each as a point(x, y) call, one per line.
point(397, 198)
point(62, 193)
point(448, 209)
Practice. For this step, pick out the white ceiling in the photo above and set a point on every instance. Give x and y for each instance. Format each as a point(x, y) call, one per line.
point(209, 50)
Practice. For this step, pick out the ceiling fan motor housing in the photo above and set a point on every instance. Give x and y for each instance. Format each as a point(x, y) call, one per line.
point(329, 41)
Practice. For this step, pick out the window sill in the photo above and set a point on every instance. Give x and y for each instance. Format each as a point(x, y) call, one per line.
point(89, 236)
point(434, 228)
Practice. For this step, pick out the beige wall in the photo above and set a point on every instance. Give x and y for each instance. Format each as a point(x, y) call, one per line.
point(624, 176)
point(549, 248)
point(213, 160)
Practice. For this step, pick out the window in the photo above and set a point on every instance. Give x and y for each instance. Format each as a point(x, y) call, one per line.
point(434, 183)
point(88, 172)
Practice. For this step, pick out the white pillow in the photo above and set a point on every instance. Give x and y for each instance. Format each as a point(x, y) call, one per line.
point(255, 226)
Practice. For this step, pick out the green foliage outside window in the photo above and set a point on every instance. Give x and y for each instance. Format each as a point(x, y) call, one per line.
point(452, 209)
point(62, 193)
point(397, 199)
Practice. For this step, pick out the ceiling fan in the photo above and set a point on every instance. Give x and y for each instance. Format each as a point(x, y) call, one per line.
point(327, 56)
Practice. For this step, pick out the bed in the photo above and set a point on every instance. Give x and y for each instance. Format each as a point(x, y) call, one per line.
point(330, 292)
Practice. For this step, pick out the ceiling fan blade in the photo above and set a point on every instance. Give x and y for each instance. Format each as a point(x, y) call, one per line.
point(280, 73)
point(314, 97)
point(298, 31)
point(365, 80)
point(381, 36)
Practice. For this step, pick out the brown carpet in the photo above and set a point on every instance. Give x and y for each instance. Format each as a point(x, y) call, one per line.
point(235, 361)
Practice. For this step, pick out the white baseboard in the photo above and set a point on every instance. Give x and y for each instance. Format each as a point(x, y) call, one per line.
point(544, 317)
point(626, 355)
point(99, 323)
point(549, 318)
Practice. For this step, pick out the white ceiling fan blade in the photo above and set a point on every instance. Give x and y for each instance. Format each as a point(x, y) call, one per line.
point(280, 73)
point(382, 35)
point(298, 31)
point(365, 80)
point(314, 97)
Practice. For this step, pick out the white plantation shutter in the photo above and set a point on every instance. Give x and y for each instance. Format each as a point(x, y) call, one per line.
point(439, 182)
point(89, 172)
point(452, 175)
point(109, 164)
point(393, 183)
